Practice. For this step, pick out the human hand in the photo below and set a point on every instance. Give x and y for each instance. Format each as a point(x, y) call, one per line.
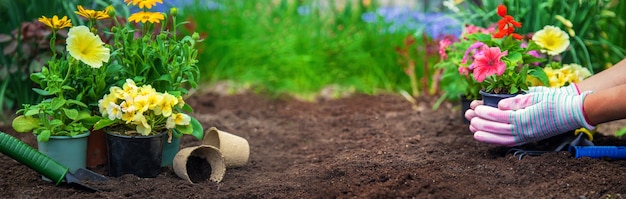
point(571, 89)
point(528, 118)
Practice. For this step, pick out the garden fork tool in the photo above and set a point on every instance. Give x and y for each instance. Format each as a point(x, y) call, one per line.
point(45, 165)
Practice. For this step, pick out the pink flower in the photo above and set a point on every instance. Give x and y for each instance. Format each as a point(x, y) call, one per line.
point(488, 63)
point(464, 71)
point(476, 46)
point(443, 44)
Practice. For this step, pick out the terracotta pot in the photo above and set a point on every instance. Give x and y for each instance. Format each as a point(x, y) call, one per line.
point(96, 149)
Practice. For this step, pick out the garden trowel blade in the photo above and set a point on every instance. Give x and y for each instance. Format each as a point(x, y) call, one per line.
point(80, 176)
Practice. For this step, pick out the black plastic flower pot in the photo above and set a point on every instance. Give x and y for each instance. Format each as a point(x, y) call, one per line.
point(492, 99)
point(137, 155)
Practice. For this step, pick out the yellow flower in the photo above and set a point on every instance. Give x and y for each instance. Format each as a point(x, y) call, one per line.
point(177, 119)
point(143, 3)
point(142, 124)
point(143, 17)
point(103, 104)
point(92, 14)
point(154, 99)
point(141, 103)
point(55, 23)
point(181, 102)
point(575, 72)
point(114, 111)
point(130, 89)
point(552, 40)
point(87, 47)
point(165, 106)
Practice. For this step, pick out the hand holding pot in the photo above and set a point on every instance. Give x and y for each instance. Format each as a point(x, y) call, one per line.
point(528, 118)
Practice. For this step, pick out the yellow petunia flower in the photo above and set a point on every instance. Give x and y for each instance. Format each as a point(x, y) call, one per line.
point(143, 3)
point(87, 47)
point(143, 17)
point(92, 14)
point(552, 40)
point(55, 23)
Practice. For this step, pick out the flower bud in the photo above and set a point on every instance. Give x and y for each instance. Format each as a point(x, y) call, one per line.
point(195, 36)
point(174, 11)
point(111, 11)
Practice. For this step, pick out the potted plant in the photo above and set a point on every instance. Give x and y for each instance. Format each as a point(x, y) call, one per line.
point(69, 82)
point(137, 121)
point(503, 63)
point(152, 58)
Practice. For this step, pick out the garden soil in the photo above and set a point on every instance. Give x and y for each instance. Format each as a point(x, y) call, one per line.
point(359, 146)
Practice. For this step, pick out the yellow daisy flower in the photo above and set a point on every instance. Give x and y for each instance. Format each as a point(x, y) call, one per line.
point(143, 17)
point(552, 40)
point(87, 47)
point(143, 3)
point(55, 23)
point(92, 14)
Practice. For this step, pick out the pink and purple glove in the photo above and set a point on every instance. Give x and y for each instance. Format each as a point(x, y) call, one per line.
point(528, 118)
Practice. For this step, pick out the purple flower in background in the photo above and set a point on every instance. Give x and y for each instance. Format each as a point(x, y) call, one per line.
point(304, 10)
point(167, 4)
point(369, 17)
point(434, 24)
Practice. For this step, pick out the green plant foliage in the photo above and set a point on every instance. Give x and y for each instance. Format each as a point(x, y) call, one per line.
point(280, 48)
point(592, 44)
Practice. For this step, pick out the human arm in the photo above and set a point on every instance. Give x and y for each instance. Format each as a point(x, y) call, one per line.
point(605, 79)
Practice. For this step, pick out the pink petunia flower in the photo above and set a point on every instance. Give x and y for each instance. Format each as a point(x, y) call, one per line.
point(443, 44)
point(488, 63)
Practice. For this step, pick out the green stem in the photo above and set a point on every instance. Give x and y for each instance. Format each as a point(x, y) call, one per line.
point(52, 42)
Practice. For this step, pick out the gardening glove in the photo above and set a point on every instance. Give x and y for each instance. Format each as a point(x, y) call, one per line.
point(529, 118)
point(571, 89)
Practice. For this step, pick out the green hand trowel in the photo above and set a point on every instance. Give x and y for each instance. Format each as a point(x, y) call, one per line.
point(45, 165)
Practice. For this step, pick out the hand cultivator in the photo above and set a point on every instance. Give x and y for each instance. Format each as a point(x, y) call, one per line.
point(579, 145)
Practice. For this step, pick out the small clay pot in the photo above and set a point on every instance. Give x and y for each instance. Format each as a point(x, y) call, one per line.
point(194, 163)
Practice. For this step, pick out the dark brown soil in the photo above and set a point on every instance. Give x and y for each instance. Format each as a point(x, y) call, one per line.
point(356, 147)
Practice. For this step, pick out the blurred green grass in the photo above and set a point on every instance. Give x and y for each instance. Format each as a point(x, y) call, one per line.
point(296, 48)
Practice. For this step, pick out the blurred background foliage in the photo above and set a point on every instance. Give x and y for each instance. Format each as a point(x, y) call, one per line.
point(304, 47)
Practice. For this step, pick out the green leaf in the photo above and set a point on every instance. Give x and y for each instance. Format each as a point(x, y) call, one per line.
point(23, 124)
point(184, 129)
point(43, 136)
point(56, 103)
point(79, 103)
point(621, 132)
point(198, 130)
point(104, 122)
point(71, 113)
point(541, 75)
point(41, 92)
